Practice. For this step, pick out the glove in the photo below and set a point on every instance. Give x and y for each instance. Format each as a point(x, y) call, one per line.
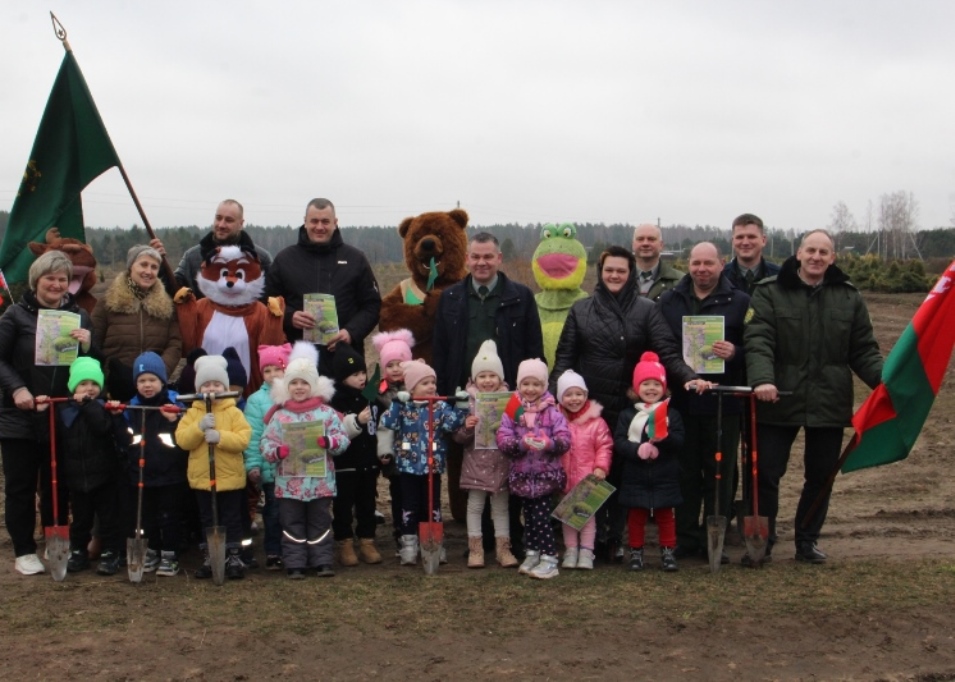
point(648, 451)
point(281, 451)
point(207, 422)
point(538, 443)
point(327, 442)
point(212, 436)
point(462, 400)
point(403, 396)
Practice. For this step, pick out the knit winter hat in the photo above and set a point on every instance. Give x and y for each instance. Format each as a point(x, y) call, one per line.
point(345, 362)
point(394, 345)
point(534, 368)
point(141, 250)
point(570, 379)
point(487, 360)
point(149, 363)
point(303, 364)
point(274, 355)
point(83, 369)
point(212, 368)
point(649, 367)
point(234, 368)
point(415, 372)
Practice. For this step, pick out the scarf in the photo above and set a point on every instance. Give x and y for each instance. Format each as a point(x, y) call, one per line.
point(656, 427)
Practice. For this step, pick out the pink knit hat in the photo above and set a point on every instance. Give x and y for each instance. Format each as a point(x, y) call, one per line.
point(394, 345)
point(533, 368)
point(274, 355)
point(415, 372)
point(649, 367)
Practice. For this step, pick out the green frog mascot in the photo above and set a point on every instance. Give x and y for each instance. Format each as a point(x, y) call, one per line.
point(559, 265)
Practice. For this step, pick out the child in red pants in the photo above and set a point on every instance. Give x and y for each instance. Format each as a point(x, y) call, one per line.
point(648, 437)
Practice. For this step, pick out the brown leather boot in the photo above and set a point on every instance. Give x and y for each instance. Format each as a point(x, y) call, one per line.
point(475, 552)
point(346, 553)
point(503, 553)
point(368, 552)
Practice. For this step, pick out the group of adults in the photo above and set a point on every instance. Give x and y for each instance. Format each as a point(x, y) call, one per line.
point(808, 328)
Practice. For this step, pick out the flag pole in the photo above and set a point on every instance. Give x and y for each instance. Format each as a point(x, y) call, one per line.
point(60, 31)
point(827, 488)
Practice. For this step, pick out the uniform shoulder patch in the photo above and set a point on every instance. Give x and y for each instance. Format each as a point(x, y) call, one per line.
point(749, 315)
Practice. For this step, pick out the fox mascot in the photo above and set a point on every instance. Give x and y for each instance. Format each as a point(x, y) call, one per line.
point(231, 314)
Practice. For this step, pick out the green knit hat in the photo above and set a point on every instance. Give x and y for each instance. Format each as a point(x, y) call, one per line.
point(85, 368)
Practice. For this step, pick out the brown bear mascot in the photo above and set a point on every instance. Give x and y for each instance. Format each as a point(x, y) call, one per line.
point(84, 265)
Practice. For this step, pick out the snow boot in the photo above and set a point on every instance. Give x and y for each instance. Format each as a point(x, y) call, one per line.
point(475, 552)
point(668, 559)
point(636, 558)
point(368, 552)
point(571, 555)
point(585, 560)
point(346, 553)
point(409, 550)
point(503, 553)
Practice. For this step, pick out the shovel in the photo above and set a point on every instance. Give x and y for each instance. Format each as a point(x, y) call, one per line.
point(215, 536)
point(136, 546)
point(431, 532)
point(715, 523)
point(57, 536)
point(755, 527)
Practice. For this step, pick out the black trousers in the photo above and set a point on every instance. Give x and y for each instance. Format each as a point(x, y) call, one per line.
point(102, 504)
point(823, 446)
point(414, 501)
point(23, 461)
point(356, 491)
point(162, 515)
point(229, 514)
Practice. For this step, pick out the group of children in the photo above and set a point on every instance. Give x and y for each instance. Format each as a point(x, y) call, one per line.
point(315, 447)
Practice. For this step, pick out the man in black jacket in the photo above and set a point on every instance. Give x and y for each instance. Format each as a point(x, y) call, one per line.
point(321, 262)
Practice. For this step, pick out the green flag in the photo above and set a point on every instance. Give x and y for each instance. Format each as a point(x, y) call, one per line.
point(71, 149)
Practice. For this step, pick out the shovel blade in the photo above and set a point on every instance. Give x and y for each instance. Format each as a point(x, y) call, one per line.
point(57, 550)
point(136, 558)
point(715, 534)
point(756, 535)
point(215, 541)
point(431, 539)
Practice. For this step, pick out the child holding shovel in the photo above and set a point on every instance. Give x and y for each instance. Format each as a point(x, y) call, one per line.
point(225, 429)
point(648, 437)
point(534, 434)
point(300, 420)
point(403, 434)
point(164, 464)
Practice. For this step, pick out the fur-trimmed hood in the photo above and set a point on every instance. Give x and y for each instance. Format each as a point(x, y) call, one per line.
point(120, 299)
point(592, 410)
point(326, 389)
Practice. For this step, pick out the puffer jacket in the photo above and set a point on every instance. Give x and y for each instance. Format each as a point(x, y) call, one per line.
point(591, 444)
point(482, 468)
point(604, 337)
point(256, 407)
point(729, 303)
point(409, 424)
point(535, 473)
point(234, 432)
point(362, 453)
point(164, 462)
point(126, 326)
point(649, 483)
point(809, 340)
point(85, 433)
point(18, 368)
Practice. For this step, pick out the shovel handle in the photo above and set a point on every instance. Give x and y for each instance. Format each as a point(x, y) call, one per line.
point(189, 397)
point(208, 397)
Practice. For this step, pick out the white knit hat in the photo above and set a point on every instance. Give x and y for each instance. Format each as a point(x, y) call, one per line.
point(570, 379)
point(303, 364)
point(487, 360)
point(212, 368)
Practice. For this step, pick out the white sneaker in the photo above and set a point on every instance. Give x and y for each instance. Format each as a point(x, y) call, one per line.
point(546, 569)
point(29, 564)
point(586, 560)
point(570, 558)
point(531, 558)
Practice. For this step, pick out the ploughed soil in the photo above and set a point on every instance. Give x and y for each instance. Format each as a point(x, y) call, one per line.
point(883, 608)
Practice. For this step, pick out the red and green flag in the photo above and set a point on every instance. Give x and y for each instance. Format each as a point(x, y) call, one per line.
point(657, 422)
point(889, 422)
point(71, 149)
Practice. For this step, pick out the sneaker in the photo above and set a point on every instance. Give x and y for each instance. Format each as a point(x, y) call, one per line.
point(531, 559)
point(669, 561)
point(234, 568)
point(204, 572)
point(807, 552)
point(29, 564)
point(546, 568)
point(585, 560)
point(570, 557)
point(168, 565)
point(636, 558)
point(326, 571)
point(273, 563)
point(78, 561)
point(151, 562)
point(295, 574)
point(108, 563)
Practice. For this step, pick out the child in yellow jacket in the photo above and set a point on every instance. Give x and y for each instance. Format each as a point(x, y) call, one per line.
point(226, 429)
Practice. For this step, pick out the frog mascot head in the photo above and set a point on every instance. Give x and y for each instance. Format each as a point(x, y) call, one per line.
point(559, 265)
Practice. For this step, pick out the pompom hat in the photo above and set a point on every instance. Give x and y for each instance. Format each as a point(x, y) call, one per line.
point(276, 356)
point(649, 367)
point(394, 345)
point(487, 360)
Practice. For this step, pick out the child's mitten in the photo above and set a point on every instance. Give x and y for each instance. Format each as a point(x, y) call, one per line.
point(212, 436)
point(207, 422)
point(648, 451)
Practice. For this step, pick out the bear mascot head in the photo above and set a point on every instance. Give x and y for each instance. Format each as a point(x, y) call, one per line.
point(84, 265)
point(435, 249)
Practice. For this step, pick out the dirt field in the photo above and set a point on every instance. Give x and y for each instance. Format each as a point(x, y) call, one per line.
point(882, 609)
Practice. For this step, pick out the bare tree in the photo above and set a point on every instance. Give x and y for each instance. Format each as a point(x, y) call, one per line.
point(842, 221)
point(898, 213)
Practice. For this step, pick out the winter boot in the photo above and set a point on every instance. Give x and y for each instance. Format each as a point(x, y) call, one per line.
point(368, 552)
point(409, 550)
point(475, 552)
point(531, 559)
point(546, 569)
point(636, 558)
point(151, 561)
point(108, 563)
point(168, 565)
point(346, 553)
point(571, 555)
point(234, 568)
point(79, 561)
point(204, 572)
point(585, 560)
point(668, 559)
point(503, 552)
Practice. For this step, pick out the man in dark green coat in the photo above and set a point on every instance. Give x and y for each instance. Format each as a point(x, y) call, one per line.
point(807, 331)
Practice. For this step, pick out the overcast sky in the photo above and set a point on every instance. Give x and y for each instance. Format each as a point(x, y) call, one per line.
point(690, 112)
